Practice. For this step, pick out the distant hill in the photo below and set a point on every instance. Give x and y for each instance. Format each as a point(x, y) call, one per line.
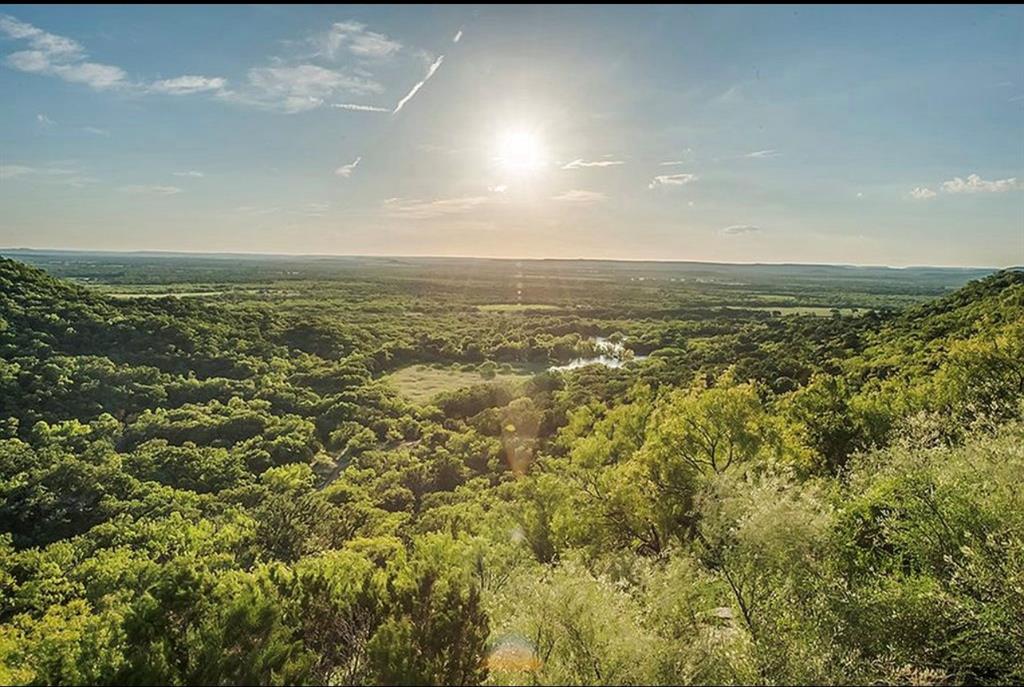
point(157, 267)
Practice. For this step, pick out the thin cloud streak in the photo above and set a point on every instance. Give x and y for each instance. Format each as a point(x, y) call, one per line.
point(12, 171)
point(739, 229)
point(49, 175)
point(672, 180)
point(417, 87)
point(346, 170)
point(359, 108)
point(582, 164)
point(187, 85)
point(150, 189)
point(581, 197)
point(418, 209)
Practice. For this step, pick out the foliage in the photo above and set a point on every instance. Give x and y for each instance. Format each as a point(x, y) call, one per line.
point(230, 490)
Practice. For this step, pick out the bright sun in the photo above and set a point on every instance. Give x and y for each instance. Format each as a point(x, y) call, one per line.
point(520, 152)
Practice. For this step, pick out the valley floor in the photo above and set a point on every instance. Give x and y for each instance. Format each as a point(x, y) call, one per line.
point(392, 471)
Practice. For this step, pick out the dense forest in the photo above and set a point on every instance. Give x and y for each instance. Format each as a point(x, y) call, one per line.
point(209, 478)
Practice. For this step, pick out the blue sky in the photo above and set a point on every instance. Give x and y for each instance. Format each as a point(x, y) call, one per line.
point(873, 135)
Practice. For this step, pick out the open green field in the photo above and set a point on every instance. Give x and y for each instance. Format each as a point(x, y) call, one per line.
point(172, 294)
point(420, 383)
point(516, 307)
point(820, 311)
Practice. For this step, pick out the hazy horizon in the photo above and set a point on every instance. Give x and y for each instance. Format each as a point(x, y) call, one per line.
point(667, 133)
point(424, 256)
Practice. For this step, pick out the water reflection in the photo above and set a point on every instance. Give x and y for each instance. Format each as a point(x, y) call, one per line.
point(609, 353)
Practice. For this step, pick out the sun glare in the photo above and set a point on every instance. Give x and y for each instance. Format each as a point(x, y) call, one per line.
point(520, 152)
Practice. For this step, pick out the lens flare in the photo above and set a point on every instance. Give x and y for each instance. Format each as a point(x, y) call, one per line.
point(513, 653)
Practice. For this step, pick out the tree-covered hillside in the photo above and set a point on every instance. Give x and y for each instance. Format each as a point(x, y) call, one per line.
point(231, 489)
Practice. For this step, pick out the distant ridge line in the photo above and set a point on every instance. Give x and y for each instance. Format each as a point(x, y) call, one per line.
point(218, 255)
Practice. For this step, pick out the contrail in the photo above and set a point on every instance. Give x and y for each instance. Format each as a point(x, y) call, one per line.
point(360, 108)
point(408, 97)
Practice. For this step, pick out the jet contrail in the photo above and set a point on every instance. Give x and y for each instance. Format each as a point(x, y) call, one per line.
point(408, 97)
point(360, 108)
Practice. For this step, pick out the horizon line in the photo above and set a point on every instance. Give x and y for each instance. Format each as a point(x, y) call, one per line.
point(226, 254)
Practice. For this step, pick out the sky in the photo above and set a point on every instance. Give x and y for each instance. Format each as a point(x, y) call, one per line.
point(852, 135)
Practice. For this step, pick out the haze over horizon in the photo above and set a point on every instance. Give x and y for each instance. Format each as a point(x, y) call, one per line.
point(15, 251)
point(823, 135)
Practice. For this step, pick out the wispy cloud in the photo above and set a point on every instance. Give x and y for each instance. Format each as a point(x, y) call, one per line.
point(975, 184)
point(672, 180)
point(12, 171)
point(44, 120)
point(96, 131)
point(430, 72)
point(731, 96)
point(188, 84)
point(53, 55)
point(52, 174)
point(353, 38)
point(687, 158)
point(738, 229)
point(340, 64)
point(288, 85)
point(315, 209)
point(40, 40)
point(581, 164)
point(922, 193)
point(360, 108)
point(581, 197)
point(150, 189)
point(310, 209)
point(298, 88)
point(65, 58)
point(346, 170)
point(190, 173)
point(256, 211)
point(758, 154)
point(418, 209)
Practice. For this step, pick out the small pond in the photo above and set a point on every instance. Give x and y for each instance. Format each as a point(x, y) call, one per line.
point(610, 354)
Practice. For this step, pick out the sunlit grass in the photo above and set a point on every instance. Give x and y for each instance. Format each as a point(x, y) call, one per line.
point(420, 383)
point(516, 307)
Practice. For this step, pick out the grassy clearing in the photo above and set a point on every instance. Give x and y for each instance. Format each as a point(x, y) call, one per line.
point(801, 309)
point(420, 383)
point(517, 307)
point(175, 294)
